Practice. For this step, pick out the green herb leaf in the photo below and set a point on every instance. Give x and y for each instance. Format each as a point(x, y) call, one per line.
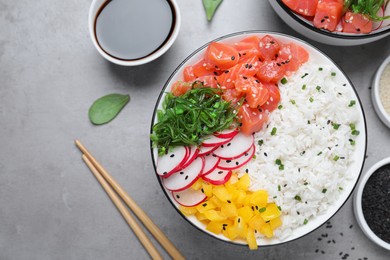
point(335, 126)
point(106, 108)
point(211, 6)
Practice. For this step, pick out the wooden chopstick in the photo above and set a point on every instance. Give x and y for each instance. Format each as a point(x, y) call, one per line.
point(149, 224)
point(125, 213)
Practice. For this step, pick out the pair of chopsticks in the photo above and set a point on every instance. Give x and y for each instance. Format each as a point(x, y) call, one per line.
point(109, 185)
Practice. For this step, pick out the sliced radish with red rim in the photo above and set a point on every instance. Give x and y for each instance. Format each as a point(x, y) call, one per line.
point(210, 163)
point(227, 133)
point(213, 141)
point(218, 176)
point(203, 150)
point(193, 153)
point(184, 178)
point(169, 163)
point(231, 164)
point(235, 148)
point(189, 197)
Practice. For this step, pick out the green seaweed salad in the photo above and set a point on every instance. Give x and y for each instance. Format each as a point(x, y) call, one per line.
point(189, 118)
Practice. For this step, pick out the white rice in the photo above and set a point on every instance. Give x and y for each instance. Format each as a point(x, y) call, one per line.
point(307, 151)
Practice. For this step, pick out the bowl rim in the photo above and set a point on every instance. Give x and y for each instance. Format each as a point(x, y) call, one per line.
point(378, 105)
point(249, 32)
point(357, 203)
point(327, 33)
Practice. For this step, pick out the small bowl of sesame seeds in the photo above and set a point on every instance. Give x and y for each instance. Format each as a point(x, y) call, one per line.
point(380, 92)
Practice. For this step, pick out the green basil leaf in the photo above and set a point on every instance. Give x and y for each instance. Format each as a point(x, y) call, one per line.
point(211, 6)
point(106, 108)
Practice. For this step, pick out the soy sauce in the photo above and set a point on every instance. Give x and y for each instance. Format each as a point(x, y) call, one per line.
point(133, 29)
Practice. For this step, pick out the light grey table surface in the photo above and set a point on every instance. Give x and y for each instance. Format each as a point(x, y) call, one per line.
point(51, 206)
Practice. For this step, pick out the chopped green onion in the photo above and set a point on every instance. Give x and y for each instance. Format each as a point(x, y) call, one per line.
point(303, 86)
point(305, 183)
point(352, 142)
point(352, 126)
point(318, 88)
point(324, 190)
point(283, 81)
point(260, 142)
point(320, 69)
point(340, 188)
point(311, 99)
point(280, 208)
point(352, 103)
point(298, 198)
point(273, 132)
point(281, 167)
point(335, 126)
point(292, 101)
point(318, 154)
point(333, 74)
point(336, 158)
point(262, 209)
point(305, 221)
point(280, 107)
point(278, 162)
point(355, 132)
point(279, 188)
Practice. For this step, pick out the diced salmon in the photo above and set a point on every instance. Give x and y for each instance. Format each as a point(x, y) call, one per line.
point(356, 23)
point(328, 14)
point(303, 7)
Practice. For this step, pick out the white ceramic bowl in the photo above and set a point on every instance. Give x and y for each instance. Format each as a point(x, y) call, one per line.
point(375, 90)
point(304, 27)
point(357, 203)
point(95, 8)
point(361, 141)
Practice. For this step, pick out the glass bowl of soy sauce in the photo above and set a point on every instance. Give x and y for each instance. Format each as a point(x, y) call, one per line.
point(372, 203)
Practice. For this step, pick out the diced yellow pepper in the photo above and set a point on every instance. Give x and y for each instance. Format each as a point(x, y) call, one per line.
point(266, 230)
point(187, 211)
point(217, 202)
point(244, 182)
point(240, 197)
point(205, 206)
point(222, 193)
point(197, 185)
point(233, 191)
point(229, 210)
point(256, 222)
point(251, 239)
point(259, 198)
point(246, 213)
point(214, 215)
point(275, 223)
point(215, 227)
point(241, 226)
point(207, 189)
point(200, 216)
point(271, 212)
point(232, 232)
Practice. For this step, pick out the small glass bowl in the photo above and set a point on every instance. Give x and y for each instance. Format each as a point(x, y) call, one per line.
point(375, 95)
point(357, 203)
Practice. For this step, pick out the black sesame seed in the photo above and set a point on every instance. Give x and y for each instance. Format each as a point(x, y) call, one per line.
point(228, 161)
point(177, 196)
point(317, 250)
point(172, 155)
point(186, 177)
point(220, 172)
point(181, 172)
point(229, 144)
point(265, 154)
point(233, 58)
point(246, 170)
point(237, 163)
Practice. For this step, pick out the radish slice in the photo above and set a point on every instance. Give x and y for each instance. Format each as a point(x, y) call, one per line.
point(228, 133)
point(203, 150)
point(189, 197)
point(213, 141)
point(235, 148)
point(184, 178)
point(193, 153)
point(172, 161)
point(218, 176)
point(378, 24)
point(232, 164)
point(210, 163)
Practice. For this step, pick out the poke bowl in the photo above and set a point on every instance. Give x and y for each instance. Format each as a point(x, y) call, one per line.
point(290, 149)
point(313, 19)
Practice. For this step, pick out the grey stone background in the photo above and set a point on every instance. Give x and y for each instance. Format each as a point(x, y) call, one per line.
point(51, 206)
